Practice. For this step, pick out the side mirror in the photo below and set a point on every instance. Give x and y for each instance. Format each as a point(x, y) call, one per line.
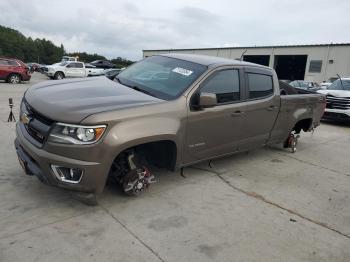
point(207, 100)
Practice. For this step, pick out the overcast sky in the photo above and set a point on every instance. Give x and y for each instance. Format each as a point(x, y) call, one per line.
point(124, 28)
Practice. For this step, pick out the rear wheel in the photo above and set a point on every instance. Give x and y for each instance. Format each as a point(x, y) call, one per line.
point(14, 79)
point(58, 76)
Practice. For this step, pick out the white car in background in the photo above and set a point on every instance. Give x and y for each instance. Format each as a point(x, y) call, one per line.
point(338, 100)
point(71, 69)
point(326, 84)
point(306, 85)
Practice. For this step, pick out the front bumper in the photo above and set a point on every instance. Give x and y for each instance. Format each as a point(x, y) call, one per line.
point(36, 161)
point(336, 115)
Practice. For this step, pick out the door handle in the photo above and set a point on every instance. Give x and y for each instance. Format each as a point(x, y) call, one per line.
point(271, 108)
point(237, 113)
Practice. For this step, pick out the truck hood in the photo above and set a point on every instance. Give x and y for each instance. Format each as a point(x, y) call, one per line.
point(336, 93)
point(72, 100)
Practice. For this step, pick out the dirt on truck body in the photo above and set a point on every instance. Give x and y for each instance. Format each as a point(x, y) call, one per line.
point(170, 110)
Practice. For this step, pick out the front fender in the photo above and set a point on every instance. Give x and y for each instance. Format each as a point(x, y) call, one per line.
point(135, 132)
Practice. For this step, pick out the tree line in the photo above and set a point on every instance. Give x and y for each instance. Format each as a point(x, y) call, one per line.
point(14, 44)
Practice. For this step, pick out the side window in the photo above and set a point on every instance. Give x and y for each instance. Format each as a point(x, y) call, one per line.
point(75, 65)
point(259, 85)
point(3, 62)
point(13, 63)
point(225, 84)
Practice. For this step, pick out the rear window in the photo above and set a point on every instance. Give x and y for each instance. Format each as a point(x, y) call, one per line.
point(259, 85)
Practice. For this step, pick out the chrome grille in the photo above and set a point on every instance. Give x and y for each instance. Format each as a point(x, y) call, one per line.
point(338, 102)
point(38, 126)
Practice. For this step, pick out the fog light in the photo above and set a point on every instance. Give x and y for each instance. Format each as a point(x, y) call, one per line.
point(68, 175)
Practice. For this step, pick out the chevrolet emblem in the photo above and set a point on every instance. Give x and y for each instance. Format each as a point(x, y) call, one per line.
point(25, 119)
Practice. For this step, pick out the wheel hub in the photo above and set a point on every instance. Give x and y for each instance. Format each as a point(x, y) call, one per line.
point(14, 79)
point(137, 181)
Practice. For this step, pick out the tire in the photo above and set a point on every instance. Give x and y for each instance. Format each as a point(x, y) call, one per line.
point(58, 76)
point(14, 79)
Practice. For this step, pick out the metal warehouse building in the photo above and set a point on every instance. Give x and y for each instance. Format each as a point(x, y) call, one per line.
point(309, 62)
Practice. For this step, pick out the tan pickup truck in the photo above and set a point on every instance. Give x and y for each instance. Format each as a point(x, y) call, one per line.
point(169, 111)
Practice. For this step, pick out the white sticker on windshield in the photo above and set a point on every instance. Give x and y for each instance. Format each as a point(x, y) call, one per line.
point(182, 71)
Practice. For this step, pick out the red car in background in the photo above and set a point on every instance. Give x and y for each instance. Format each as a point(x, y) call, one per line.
point(13, 70)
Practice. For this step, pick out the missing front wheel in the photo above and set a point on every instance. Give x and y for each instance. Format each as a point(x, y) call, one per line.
point(131, 173)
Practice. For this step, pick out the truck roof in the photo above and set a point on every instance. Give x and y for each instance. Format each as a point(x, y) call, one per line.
point(210, 61)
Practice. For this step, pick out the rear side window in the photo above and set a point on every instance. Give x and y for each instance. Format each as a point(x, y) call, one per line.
point(76, 65)
point(225, 84)
point(13, 63)
point(259, 85)
point(3, 62)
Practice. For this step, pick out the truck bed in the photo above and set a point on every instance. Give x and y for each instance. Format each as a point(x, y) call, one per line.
point(294, 108)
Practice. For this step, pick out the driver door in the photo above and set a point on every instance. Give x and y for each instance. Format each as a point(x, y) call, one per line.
point(70, 70)
point(75, 70)
point(215, 131)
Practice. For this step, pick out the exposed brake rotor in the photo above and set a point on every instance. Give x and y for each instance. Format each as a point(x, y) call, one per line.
point(137, 181)
point(292, 141)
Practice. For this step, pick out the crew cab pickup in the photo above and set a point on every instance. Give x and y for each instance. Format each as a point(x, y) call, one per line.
point(68, 69)
point(77, 133)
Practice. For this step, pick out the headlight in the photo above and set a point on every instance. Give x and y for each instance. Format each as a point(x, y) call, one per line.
point(76, 134)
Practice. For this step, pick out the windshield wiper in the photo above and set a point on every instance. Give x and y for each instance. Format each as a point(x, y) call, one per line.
point(142, 90)
point(135, 88)
point(341, 82)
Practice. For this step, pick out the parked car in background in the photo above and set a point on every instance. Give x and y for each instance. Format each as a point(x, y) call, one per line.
point(338, 100)
point(45, 68)
point(93, 71)
point(326, 84)
point(13, 70)
point(71, 69)
point(285, 80)
point(112, 73)
point(33, 67)
point(102, 64)
point(306, 85)
point(287, 89)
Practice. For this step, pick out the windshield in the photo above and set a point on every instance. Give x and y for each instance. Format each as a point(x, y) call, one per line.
point(337, 85)
point(162, 77)
point(63, 63)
